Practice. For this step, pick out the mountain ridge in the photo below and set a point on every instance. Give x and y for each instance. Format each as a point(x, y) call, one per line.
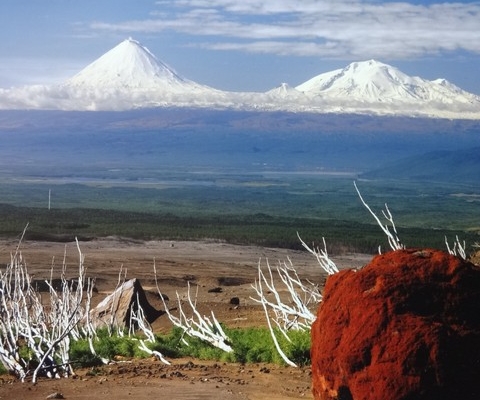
point(459, 165)
point(129, 76)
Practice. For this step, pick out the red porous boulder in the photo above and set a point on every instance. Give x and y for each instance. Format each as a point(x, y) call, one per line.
point(406, 326)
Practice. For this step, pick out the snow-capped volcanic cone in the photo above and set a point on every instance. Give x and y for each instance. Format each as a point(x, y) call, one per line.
point(374, 82)
point(284, 90)
point(129, 65)
point(130, 76)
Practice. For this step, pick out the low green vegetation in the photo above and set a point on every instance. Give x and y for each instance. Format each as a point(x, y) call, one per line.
point(264, 209)
point(250, 345)
point(259, 229)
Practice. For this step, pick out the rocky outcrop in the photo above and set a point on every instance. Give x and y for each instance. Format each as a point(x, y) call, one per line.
point(116, 309)
point(406, 326)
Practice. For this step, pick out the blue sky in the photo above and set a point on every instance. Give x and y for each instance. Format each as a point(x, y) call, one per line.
point(248, 45)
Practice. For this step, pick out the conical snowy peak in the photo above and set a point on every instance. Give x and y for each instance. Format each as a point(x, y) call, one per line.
point(284, 90)
point(129, 65)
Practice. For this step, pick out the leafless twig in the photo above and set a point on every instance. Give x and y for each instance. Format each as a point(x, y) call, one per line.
point(393, 240)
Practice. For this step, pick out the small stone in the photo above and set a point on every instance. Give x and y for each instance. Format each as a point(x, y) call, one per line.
point(235, 301)
point(55, 395)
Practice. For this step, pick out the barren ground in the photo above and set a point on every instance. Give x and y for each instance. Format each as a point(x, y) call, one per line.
point(206, 265)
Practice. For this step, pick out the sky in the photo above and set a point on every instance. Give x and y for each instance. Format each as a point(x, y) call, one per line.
point(247, 45)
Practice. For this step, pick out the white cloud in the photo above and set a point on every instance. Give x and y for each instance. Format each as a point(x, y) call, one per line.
point(341, 29)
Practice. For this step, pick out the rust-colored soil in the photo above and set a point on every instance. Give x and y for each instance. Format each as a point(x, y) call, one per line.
point(185, 379)
point(206, 265)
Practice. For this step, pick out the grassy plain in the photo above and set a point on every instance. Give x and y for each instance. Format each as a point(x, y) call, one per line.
point(266, 208)
point(237, 176)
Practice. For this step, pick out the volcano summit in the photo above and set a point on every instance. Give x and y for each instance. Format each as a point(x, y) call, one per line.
point(131, 66)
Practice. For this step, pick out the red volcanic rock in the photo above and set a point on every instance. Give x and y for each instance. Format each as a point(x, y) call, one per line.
point(406, 326)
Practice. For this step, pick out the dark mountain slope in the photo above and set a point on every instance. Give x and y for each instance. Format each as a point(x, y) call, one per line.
point(461, 166)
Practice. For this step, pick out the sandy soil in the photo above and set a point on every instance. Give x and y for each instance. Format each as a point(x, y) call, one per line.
point(206, 265)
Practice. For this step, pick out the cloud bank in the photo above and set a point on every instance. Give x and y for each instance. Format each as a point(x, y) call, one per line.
point(336, 30)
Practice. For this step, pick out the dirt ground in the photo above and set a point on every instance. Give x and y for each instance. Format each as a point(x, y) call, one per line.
point(207, 265)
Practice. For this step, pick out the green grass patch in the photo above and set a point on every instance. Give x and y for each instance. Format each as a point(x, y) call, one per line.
point(106, 346)
point(250, 345)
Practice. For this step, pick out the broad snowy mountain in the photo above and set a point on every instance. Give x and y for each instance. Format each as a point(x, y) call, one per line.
point(129, 76)
point(374, 82)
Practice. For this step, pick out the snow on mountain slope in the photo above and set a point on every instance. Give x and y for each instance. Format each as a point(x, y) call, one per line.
point(130, 66)
point(130, 76)
point(374, 82)
point(284, 91)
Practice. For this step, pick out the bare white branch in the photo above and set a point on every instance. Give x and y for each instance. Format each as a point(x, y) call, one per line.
point(292, 305)
point(202, 327)
point(458, 248)
point(144, 326)
point(393, 240)
point(322, 256)
point(44, 327)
